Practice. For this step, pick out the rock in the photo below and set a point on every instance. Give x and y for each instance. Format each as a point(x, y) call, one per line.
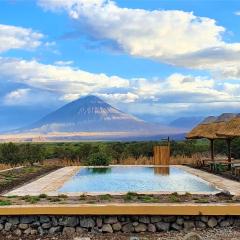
point(143, 219)
point(8, 226)
point(1, 227)
point(54, 230)
point(54, 221)
point(107, 228)
point(99, 222)
point(122, 218)
point(134, 238)
point(200, 224)
point(212, 222)
point(35, 224)
point(68, 231)
point(110, 220)
point(204, 219)
point(23, 226)
point(27, 231)
point(192, 236)
point(155, 219)
point(225, 223)
point(87, 222)
point(135, 224)
point(40, 230)
point(3, 219)
point(117, 226)
point(151, 228)
point(46, 225)
point(128, 228)
point(163, 226)
point(180, 221)
point(188, 225)
point(44, 219)
point(14, 220)
point(80, 230)
point(17, 232)
point(169, 219)
point(70, 221)
point(236, 223)
point(33, 232)
point(177, 227)
point(141, 227)
point(27, 219)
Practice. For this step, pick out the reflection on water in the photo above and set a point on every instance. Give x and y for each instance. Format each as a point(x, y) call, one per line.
point(164, 171)
point(99, 170)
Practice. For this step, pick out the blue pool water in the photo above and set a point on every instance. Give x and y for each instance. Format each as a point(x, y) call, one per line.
point(135, 179)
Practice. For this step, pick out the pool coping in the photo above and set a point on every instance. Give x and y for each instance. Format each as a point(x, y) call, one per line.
point(216, 209)
point(50, 183)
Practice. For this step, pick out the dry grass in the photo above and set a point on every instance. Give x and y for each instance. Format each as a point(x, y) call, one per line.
point(4, 166)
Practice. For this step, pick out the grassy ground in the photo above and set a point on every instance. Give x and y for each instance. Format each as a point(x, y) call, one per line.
point(127, 198)
point(17, 177)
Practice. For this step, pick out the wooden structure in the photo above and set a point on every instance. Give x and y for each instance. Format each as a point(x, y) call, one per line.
point(209, 129)
point(161, 155)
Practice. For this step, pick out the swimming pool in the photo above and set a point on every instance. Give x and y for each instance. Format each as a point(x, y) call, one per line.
point(135, 179)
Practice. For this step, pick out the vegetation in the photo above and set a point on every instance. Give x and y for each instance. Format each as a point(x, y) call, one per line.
point(103, 153)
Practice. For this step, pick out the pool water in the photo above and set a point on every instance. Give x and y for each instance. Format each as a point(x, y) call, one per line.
point(135, 179)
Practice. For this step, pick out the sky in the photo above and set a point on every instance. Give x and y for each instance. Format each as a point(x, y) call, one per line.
point(156, 59)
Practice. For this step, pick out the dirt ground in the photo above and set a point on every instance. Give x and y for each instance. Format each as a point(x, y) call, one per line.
point(227, 233)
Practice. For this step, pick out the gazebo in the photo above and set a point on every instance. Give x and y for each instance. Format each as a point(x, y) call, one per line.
point(209, 128)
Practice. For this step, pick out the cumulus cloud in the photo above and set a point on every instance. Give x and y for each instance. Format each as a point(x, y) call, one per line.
point(59, 79)
point(12, 37)
point(171, 36)
point(66, 83)
point(237, 13)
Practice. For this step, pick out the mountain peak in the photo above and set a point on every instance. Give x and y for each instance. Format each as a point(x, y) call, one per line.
point(89, 113)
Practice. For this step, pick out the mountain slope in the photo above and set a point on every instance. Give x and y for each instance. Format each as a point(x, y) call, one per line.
point(90, 114)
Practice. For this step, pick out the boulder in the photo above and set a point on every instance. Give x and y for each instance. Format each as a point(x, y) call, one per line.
point(163, 226)
point(107, 228)
point(117, 226)
point(141, 227)
point(87, 222)
point(68, 231)
point(212, 222)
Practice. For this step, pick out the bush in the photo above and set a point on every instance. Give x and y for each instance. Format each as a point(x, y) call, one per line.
point(98, 159)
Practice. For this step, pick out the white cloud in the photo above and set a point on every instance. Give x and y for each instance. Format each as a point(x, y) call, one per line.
point(170, 36)
point(119, 97)
point(63, 63)
point(58, 79)
point(16, 97)
point(12, 37)
point(237, 13)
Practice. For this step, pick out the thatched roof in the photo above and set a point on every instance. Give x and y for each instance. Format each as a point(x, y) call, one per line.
point(210, 126)
point(231, 128)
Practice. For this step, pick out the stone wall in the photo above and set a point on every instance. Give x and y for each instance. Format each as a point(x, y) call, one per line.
point(70, 225)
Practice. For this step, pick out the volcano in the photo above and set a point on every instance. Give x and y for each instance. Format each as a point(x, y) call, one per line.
point(88, 114)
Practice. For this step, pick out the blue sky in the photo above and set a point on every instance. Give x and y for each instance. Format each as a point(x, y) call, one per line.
point(159, 60)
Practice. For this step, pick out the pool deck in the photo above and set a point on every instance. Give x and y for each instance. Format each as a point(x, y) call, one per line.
point(50, 183)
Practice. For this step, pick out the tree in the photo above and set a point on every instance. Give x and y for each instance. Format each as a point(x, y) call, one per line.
point(98, 159)
point(10, 154)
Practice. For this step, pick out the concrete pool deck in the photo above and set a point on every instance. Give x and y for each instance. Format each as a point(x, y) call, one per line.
point(50, 183)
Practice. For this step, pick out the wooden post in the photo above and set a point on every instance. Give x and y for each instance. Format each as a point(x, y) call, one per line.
point(212, 148)
point(161, 155)
point(229, 140)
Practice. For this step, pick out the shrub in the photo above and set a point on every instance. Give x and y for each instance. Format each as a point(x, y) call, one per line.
point(98, 159)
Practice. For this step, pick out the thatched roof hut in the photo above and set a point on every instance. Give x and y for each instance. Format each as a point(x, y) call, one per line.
point(231, 128)
point(209, 129)
point(210, 126)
